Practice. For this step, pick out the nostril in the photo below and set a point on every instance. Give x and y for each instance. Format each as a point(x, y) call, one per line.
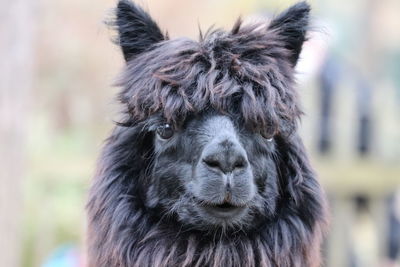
point(239, 164)
point(212, 163)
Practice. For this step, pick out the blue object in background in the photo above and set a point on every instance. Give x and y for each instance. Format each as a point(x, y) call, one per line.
point(64, 256)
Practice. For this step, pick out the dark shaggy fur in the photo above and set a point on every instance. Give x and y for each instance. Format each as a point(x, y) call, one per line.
point(141, 211)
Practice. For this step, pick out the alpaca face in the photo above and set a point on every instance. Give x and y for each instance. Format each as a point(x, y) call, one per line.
point(213, 171)
point(215, 110)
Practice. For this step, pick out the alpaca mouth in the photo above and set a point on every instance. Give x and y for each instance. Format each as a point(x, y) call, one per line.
point(225, 205)
point(223, 210)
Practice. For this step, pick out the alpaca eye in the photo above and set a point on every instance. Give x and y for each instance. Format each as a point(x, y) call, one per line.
point(165, 131)
point(267, 137)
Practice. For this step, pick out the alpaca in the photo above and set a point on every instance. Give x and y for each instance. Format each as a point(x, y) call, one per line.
point(205, 167)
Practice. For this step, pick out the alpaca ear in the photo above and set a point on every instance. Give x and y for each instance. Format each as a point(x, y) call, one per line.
point(291, 27)
point(136, 30)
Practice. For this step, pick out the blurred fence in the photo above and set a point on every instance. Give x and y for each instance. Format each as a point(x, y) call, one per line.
point(355, 143)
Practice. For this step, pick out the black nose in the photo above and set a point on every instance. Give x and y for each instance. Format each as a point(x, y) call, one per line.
point(226, 156)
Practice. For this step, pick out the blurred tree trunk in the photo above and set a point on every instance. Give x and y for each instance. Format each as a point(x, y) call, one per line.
point(16, 54)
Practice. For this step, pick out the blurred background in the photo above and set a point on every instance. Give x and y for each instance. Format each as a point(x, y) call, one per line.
point(57, 106)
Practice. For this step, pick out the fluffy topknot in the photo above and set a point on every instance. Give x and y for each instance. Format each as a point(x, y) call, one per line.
point(245, 72)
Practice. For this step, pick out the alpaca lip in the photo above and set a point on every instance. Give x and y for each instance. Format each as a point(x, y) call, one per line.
point(223, 210)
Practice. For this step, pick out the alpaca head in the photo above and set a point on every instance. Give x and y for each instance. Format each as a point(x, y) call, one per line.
point(205, 167)
point(211, 116)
